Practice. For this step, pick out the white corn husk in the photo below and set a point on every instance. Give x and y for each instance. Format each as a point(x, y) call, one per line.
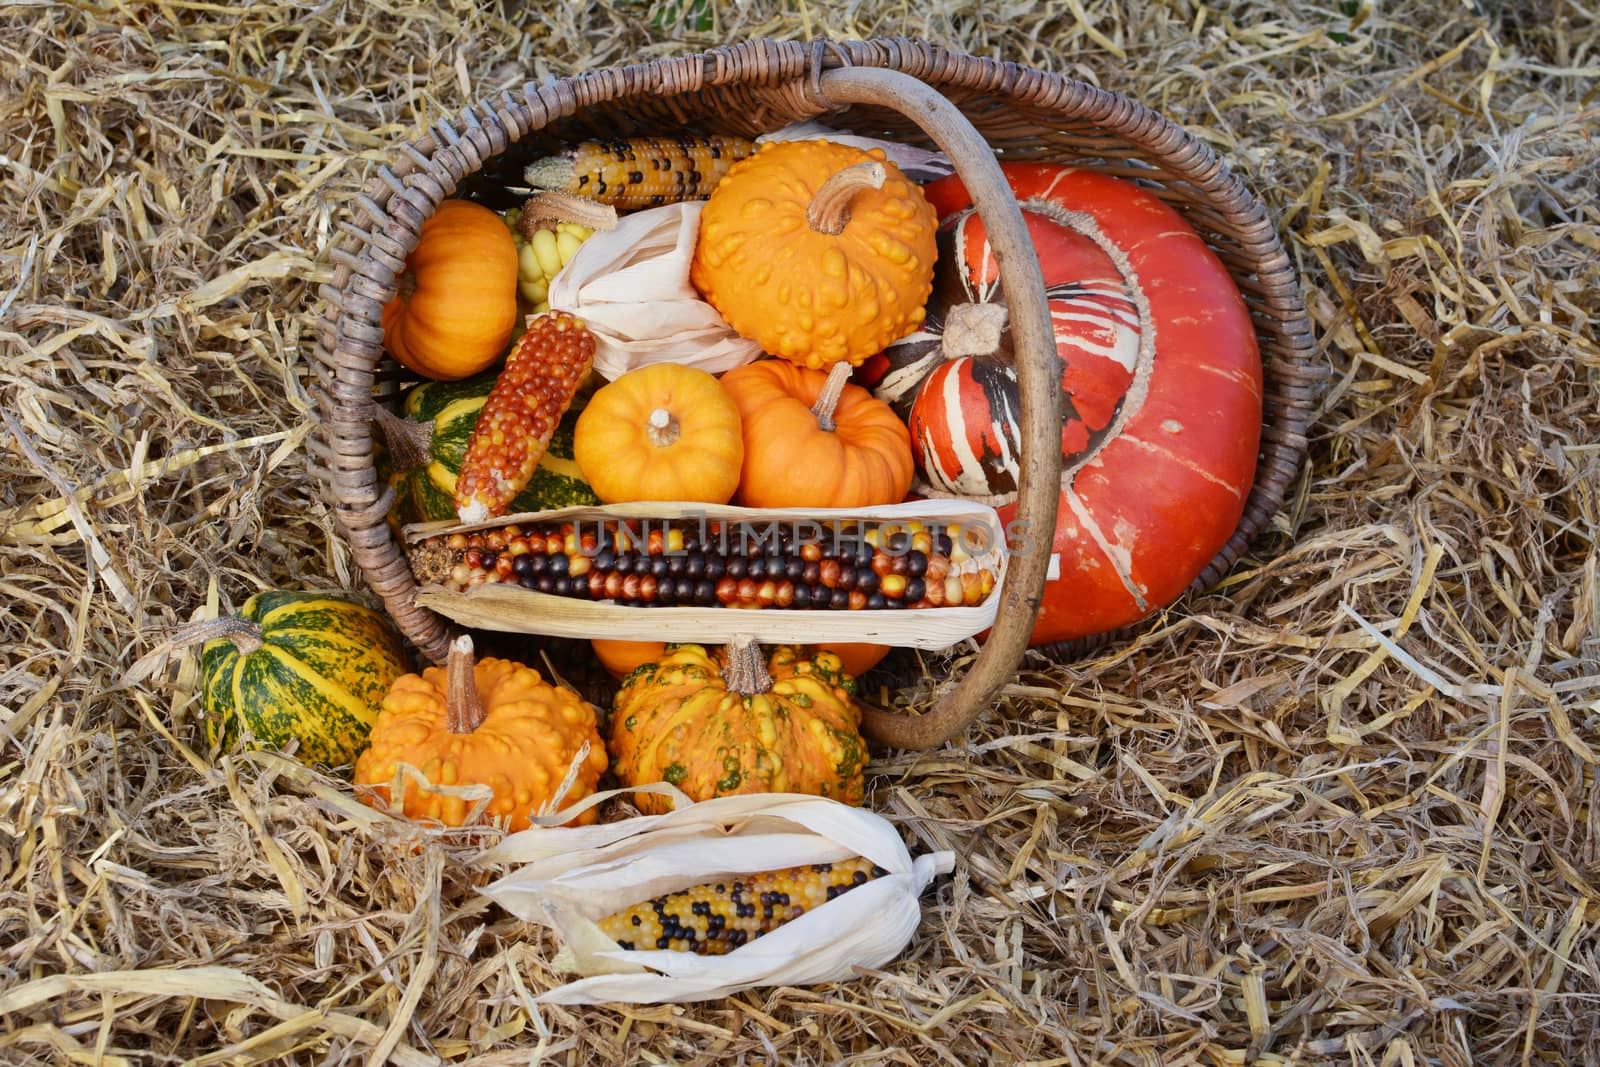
point(575, 876)
point(630, 285)
point(918, 164)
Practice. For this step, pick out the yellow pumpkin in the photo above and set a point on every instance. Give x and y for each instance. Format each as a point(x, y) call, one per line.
point(493, 723)
point(820, 252)
point(457, 303)
point(661, 432)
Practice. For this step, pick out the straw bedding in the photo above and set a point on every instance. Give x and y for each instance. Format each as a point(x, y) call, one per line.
point(1342, 810)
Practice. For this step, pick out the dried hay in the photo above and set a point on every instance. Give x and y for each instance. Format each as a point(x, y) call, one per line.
point(1343, 810)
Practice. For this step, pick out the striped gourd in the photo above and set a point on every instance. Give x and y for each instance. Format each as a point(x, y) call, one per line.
point(302, 667)
point(428, 445)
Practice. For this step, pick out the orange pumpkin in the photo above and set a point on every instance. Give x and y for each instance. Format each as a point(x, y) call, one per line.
point(621, 657)
point(811, 440)
point(859, 659)
point(819, 251)
point(457, 303)
point(493, 723)
point(660, 432)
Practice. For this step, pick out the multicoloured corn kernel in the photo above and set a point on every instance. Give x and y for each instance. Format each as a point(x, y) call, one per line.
point(640, 172)
point(651, 563)
point(715, 918)
point(532, 392)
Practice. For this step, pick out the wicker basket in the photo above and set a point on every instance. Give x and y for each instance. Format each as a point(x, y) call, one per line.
point(909, 90)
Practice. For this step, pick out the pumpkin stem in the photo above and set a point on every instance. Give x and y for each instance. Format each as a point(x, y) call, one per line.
point(463, 706)
point(554, 207)
point(832, 390)
point(973, 330)
point(745, 670)
point(662, 428)
point(405, 286)
point(829, 210)
point(406, 439)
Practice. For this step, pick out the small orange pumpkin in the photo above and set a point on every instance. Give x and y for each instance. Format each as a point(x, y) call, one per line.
point(858, 659)
point(457, 303)
point(811, 440)
point(819, 251)
point(621, 657)
point(661, 432)
point(493, 723)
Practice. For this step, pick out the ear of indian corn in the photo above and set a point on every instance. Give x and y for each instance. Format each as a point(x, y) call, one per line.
point(541, 257)
point(548, 229)
point(640, 172)
point(532, 392)
point(715, 918)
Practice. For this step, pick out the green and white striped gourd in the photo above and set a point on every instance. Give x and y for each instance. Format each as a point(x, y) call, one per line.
point(295, 666)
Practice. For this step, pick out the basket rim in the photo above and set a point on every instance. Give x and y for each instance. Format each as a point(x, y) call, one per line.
point(382, 224)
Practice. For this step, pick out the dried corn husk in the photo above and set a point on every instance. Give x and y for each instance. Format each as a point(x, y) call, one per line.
point(513, 609)
point(575, 876)
point(630, 285)
point(918, 164)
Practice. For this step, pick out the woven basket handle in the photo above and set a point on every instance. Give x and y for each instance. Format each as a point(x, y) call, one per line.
point(1038, 381)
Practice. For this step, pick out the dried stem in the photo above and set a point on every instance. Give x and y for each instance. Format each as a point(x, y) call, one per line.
point(830, 208)
point(832, 390)
point(464, 711)
point(663, 428)
point(745, 671)
point(407, 440)
point(973, 330)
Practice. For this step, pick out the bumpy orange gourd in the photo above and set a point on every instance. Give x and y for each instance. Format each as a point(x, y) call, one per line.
point(661, 432)
point(494, 723)
point(457, 303)
point(734, 721)
point(810, 440)
point(821, 252)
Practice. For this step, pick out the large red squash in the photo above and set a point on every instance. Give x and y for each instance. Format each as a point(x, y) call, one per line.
point(1161, 383)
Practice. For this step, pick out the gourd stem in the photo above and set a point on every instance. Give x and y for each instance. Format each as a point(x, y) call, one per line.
point(245, 635)
point(828, 399)
point(463, 706)
point(407, 440)
point(662, 428)
point(829, 209)
point(972, 330)
point(745, 671)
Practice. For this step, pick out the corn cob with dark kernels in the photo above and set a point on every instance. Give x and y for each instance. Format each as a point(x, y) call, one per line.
point(855, 567)
point(640, 172)
point(531, 393)
point(715, 918)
